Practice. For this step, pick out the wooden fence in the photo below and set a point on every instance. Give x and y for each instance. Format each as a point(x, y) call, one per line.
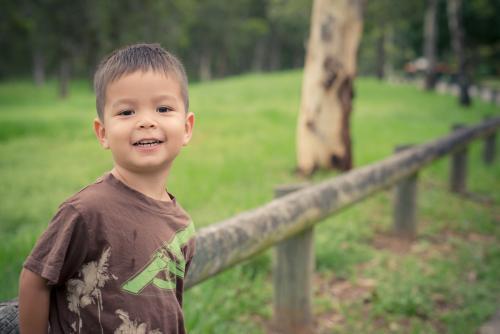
point(288, 221)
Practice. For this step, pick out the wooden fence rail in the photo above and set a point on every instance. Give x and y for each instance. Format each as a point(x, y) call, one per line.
point(236, 239)
point(222, 245)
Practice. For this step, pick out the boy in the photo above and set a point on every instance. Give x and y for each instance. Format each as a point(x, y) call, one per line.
point(114, 257)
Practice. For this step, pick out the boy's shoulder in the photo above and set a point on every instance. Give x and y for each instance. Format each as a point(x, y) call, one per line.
point(92, 197)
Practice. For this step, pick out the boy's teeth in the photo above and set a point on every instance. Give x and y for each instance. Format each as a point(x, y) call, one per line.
point(147, 142)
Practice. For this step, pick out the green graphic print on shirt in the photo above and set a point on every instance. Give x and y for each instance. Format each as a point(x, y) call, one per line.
point(161, 261)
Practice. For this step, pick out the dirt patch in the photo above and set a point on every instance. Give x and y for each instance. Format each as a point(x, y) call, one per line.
point(326, 323)
point(340, 291)
point(447, 234)
point(392, 243)
point(345, 290)
point(438, 244)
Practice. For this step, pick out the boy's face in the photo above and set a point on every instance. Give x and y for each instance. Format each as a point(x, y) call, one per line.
point(144, 123)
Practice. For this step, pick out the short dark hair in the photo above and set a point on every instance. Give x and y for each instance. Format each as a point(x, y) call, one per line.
point(137, 57)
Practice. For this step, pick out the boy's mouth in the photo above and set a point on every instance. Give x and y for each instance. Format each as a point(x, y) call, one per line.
point(147, 142)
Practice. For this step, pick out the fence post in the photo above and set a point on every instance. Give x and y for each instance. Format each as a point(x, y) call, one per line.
point(489, 147)
point(458, 175)
point(292, 278)
point(405, 203)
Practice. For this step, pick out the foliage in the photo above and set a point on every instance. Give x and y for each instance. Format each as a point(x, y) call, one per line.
point(236, 36)
point(223, 37)
point(402, 24)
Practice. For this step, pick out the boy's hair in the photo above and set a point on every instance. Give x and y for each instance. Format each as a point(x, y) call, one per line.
point(137, 57)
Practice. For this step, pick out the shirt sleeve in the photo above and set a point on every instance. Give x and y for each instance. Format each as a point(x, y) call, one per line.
point(61, 250)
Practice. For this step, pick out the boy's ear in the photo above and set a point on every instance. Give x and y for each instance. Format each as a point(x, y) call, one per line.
point(188, 126)
point(100, 133)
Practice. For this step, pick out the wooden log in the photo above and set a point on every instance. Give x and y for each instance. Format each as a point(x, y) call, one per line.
point(405, 203)
point(292, 277)
point(222, 245)
point(458, 172)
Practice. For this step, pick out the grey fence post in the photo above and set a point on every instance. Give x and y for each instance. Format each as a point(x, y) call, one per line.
point(458, 174)
point(489, 151)
point(405, 203)
point(292, 278)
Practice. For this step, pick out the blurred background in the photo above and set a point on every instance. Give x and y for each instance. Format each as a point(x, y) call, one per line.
point(245, 63)
point(215, 38)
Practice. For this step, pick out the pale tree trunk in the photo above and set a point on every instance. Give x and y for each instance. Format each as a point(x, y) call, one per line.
point(430, 38)
point(323, 135)
point(457, 41)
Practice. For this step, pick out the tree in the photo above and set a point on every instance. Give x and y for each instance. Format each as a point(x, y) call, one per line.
point(392, 36)
point(289, 22)
point(216, 21)
point(377, 25)
point(457, 36)
point(482, 41)
point(67, 35)
point(323, 134)
point(430, 35)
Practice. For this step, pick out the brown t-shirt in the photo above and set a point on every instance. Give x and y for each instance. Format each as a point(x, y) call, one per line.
point(116, 261)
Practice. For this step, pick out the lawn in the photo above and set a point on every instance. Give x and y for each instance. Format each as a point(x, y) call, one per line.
point(243, 146)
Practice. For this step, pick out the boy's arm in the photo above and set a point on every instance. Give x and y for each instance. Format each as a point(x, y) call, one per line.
point(34, 300)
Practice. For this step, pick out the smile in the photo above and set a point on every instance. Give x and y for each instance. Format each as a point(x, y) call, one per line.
point(147, 142)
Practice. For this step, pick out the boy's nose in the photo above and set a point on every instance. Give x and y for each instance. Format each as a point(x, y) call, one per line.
point(147, 125)
point(146, 122)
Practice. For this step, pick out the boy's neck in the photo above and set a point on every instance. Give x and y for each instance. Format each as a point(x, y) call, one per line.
point(151, 185)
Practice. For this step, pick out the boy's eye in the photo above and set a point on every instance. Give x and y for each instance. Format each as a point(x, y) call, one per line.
point(126, 112)
point(163, 109)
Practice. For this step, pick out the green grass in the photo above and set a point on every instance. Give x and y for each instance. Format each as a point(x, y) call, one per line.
point(243, 146)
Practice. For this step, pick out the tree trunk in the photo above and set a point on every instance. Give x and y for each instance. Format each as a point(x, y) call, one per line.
point(205, 66)
point(298, 59)
point(222, 61)
point(323, 136)
point(381, 55)
point(274, 52)
point(64, 76)
point(259, 55)
point(457, 41)
point(430, 37)
point(38, 67)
